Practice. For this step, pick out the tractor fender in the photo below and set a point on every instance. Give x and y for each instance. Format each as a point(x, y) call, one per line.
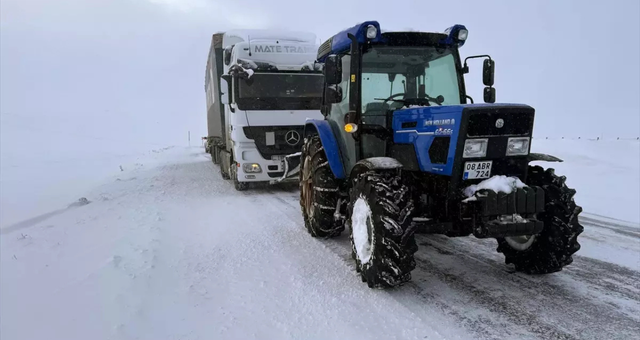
point(375, 163)
point(329, 143)
point(533, 157)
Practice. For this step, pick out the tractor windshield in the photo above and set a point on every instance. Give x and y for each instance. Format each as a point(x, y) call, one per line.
point(424, 75)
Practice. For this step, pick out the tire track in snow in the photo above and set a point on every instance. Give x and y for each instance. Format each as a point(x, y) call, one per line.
point(467, 279)
point(564, 305)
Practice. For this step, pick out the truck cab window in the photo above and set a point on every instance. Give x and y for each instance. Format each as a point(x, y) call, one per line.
point(280, 91)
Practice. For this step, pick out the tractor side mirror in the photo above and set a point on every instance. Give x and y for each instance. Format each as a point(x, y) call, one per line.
point(333, 70)
point(488, 71)
point(224, 89)
point(489, 94)
point(332, 94)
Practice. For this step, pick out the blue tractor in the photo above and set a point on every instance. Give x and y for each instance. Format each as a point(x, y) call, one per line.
point(401, 151)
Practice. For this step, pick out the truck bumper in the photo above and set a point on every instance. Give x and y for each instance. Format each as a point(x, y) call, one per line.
point(279, 169)
point(291, 168)
point(502, 215)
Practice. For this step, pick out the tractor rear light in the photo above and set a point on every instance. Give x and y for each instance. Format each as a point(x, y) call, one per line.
point(474, 148)
point(518, 146)
point(251, 168)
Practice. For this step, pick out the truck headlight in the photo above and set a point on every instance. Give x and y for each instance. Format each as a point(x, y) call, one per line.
point(251, 168)
point(518, 146)
point(475, 148)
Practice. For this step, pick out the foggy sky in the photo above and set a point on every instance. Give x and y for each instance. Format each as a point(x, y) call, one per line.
point(135, 68)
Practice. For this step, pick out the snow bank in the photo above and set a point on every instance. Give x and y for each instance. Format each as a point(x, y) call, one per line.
point(604, 174)
point(49, 162)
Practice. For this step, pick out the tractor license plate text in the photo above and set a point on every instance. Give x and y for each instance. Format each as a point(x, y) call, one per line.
point(475, 170)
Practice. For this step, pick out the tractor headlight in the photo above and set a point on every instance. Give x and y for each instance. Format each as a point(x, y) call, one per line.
point(463, 34)
point(518, 146)
point(251, 168)
point(474, 148)
point(372, 32)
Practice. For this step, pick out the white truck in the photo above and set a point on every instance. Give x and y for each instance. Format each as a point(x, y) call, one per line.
point(261, 87)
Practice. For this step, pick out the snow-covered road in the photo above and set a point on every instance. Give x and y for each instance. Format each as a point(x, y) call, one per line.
point(172, 251)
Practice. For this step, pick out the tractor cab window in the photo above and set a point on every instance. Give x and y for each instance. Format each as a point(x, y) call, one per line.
point(392, 74)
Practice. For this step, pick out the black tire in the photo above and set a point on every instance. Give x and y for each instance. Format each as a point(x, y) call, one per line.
point(239, 186)
point(553, 248)
point(215, 155)
point(390, 238)
point(223, 173)
point(319, 192)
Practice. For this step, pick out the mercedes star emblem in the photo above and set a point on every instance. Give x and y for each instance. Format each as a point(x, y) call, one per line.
point(292, 137)
point(499, 123)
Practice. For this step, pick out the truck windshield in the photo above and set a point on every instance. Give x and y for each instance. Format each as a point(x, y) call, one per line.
point(284, 91)
point(402, 71)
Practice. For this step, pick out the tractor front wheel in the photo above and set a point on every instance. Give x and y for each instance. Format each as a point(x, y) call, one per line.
point(380, 215)
point(552, 249)
point(318, 190)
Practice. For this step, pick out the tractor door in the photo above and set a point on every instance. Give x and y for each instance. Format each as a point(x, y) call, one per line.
point(377, 86)
point(336, 117)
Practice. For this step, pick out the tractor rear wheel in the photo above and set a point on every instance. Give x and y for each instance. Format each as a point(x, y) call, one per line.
point(319, 192)
point(552, 249)
point(382, 241)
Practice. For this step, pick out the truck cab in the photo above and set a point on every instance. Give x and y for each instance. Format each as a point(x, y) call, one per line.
point(269, 86)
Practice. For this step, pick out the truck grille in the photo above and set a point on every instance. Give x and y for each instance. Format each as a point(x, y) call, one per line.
point(281, 133)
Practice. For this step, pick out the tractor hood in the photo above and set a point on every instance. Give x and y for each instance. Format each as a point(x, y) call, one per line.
point(437, 132)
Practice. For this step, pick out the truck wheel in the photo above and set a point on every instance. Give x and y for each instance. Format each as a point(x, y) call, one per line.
point(318, 191)
point(552, 249)
point(240, 186)
point(382, 242)
point(224, 174)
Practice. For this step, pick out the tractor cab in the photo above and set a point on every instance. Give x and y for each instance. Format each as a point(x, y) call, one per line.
point(369, 75)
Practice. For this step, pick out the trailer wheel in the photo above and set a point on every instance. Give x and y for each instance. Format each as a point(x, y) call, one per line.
point(215, 154)
point(319, 191)
point(552, 249)
point(380, 216)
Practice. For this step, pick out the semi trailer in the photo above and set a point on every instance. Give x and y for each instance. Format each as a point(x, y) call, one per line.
point(261, 86)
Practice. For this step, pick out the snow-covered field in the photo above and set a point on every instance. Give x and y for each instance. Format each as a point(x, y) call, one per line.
point(166, 249)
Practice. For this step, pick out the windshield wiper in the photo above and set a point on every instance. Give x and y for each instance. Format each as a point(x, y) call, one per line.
point(425, 101)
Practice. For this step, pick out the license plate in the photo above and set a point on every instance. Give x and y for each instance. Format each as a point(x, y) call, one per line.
point(277, 158)
point(476, 170)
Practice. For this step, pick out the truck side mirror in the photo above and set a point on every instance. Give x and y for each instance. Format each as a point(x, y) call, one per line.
point(489, 94)
point(488, 71)
point(332, 94)
point(333, 70)
point(227, 55)
point(224, 91)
